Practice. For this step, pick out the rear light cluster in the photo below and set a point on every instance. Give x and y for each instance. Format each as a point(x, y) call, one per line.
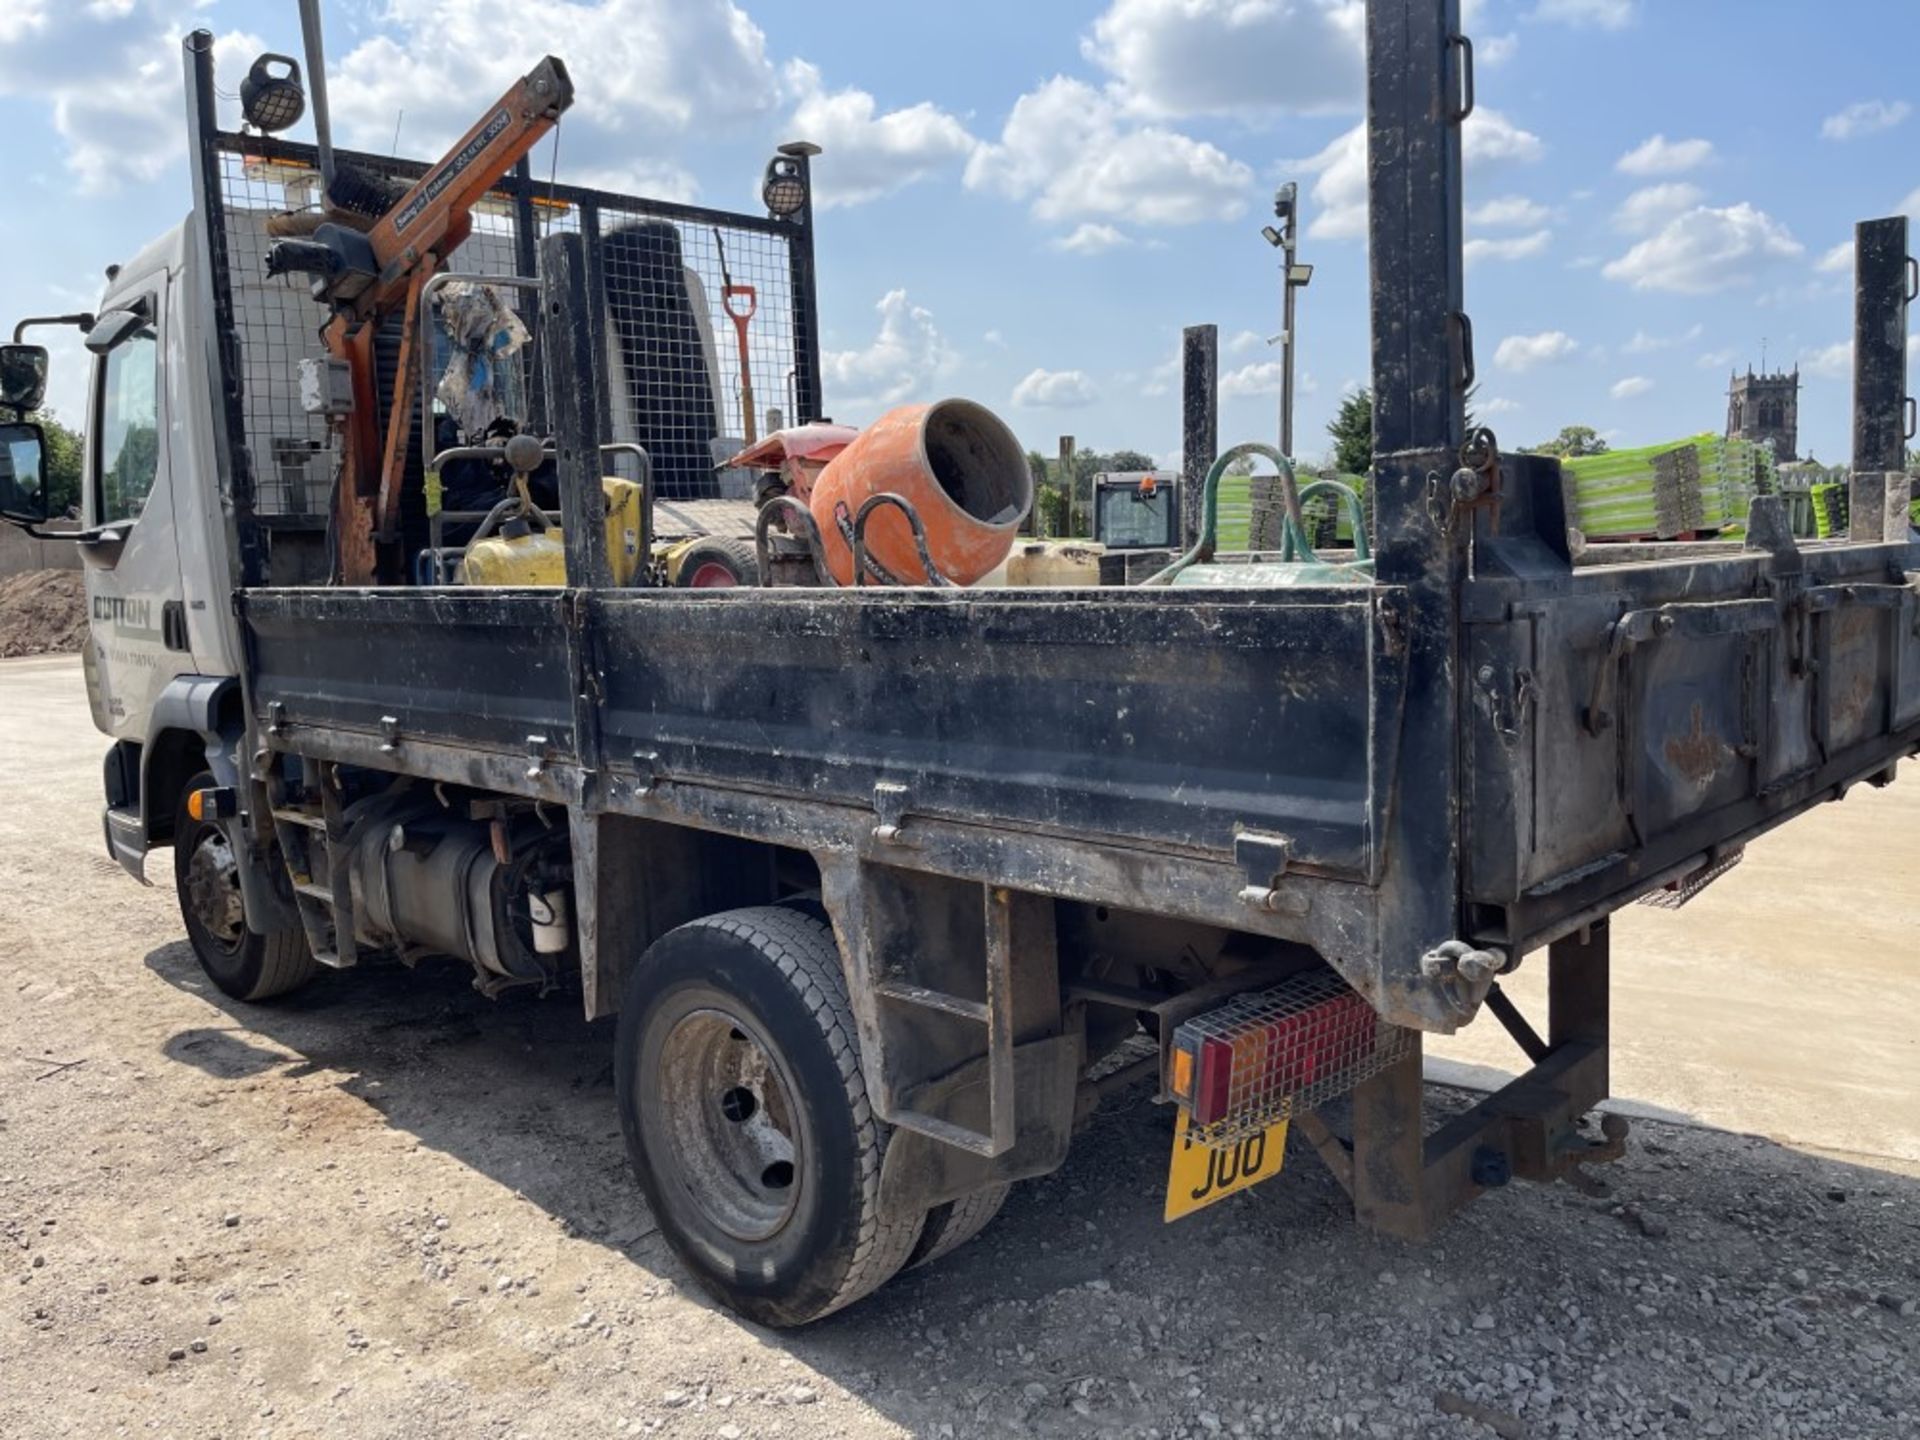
point(1262, 1057)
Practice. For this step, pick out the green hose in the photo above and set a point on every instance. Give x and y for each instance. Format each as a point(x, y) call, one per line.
point(1356, 515)
point(1293, 529)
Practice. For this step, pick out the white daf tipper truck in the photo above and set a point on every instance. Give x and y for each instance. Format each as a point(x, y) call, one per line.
point(888, 884)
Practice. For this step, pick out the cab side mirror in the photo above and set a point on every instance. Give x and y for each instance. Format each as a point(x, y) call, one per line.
point(23, 469)
point(23, 376)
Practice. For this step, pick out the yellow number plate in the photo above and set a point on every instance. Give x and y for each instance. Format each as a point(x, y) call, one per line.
point(1199, 1176)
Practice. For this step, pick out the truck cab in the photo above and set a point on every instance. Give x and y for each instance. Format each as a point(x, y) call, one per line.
point(161, 655)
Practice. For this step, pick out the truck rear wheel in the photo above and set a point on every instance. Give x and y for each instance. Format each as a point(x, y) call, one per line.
point(206, 875)
point(954, 1223)
point(747, 1119)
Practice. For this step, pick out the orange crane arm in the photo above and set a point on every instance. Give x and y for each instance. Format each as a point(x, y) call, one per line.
point(366, 277)
point(432, 218)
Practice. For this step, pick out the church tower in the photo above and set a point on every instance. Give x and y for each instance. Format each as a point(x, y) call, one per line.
point(1766, 407)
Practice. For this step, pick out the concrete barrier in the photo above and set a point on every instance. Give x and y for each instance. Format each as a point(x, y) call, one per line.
point(20, 551)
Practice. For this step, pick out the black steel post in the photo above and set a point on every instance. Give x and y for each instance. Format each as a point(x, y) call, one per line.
point(1415, 64)
point(1883, 286)
point(1199, 420)
point(231, 456)
point(526, 258)
point(809, 402)
point(598, 318)
point(1416, 100)
point(576, 420)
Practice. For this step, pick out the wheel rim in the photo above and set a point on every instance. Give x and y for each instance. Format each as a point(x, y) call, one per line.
point(712, 575)
point(213, 889)
point(730, 1120)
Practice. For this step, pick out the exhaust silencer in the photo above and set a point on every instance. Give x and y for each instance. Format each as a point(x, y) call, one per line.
point(959, 467)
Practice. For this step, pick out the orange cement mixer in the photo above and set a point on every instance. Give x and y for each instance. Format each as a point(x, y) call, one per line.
point(959, 467)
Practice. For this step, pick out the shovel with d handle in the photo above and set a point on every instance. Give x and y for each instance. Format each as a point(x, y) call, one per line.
point(740, 302)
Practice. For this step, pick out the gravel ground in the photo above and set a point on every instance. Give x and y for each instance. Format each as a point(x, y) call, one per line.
point(389, 1207)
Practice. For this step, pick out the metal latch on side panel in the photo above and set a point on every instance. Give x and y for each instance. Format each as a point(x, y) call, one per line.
point(646, 771)
point(539, 750)
point(1263, 859)
point(890, 801)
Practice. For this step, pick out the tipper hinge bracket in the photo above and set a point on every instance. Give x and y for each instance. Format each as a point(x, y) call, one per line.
point(1262, 859)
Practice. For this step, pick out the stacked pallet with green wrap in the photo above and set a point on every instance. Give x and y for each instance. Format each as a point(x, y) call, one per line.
point(1250, 510)
point(1831, 509)
point(1664, 491)
point(1746, 470)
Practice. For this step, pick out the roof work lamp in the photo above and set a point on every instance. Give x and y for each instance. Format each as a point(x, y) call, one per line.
point(272, 102)
point(784, 189)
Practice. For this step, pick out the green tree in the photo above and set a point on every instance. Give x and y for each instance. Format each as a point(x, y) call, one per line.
point(1050, 511)
point(1572, 442)
point(62, 463)
point(1352, 432)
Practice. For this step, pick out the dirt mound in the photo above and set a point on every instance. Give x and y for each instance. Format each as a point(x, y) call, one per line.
point(42, 612)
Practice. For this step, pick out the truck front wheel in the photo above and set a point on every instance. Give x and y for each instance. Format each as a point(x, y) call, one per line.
point(747, 1119)
point(206, 873)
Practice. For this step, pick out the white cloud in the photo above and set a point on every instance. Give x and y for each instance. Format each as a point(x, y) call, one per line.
point(1091, 238)
point(1866, 117)
point(1055, 390)
point(1260, 378)
point(1498, 49)
point(1340, 189)
point(1716, 359)
point(1245, 341)
point(1830, 362)
point(1706, 250)
point(1068, 149)
point(1517, 247)
point(1607, 14)
point(644, 72)
point(656, 179)
point(1514, 210)
point(1646, 210)
point(872, 153)
point(906, 356)
point(1489, 138)
point(1498, 405)
point(1644, 344)
point(1263, 377)
point(1630, 387)
point(1172, 58)
point(110, 74)
point(1910, 207)
point(1661, 156)
point(1521, 353)
point(1838, 260)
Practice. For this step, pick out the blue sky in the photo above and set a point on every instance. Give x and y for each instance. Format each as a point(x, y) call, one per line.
point(1025, 202)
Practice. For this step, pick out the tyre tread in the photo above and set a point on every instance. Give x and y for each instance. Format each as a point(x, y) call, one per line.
point(285, 961)
point(285, 964)
point(952, 1225)
point(740, 553)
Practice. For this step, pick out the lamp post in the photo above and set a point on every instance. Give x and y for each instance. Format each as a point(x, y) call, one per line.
point(1294, 277)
